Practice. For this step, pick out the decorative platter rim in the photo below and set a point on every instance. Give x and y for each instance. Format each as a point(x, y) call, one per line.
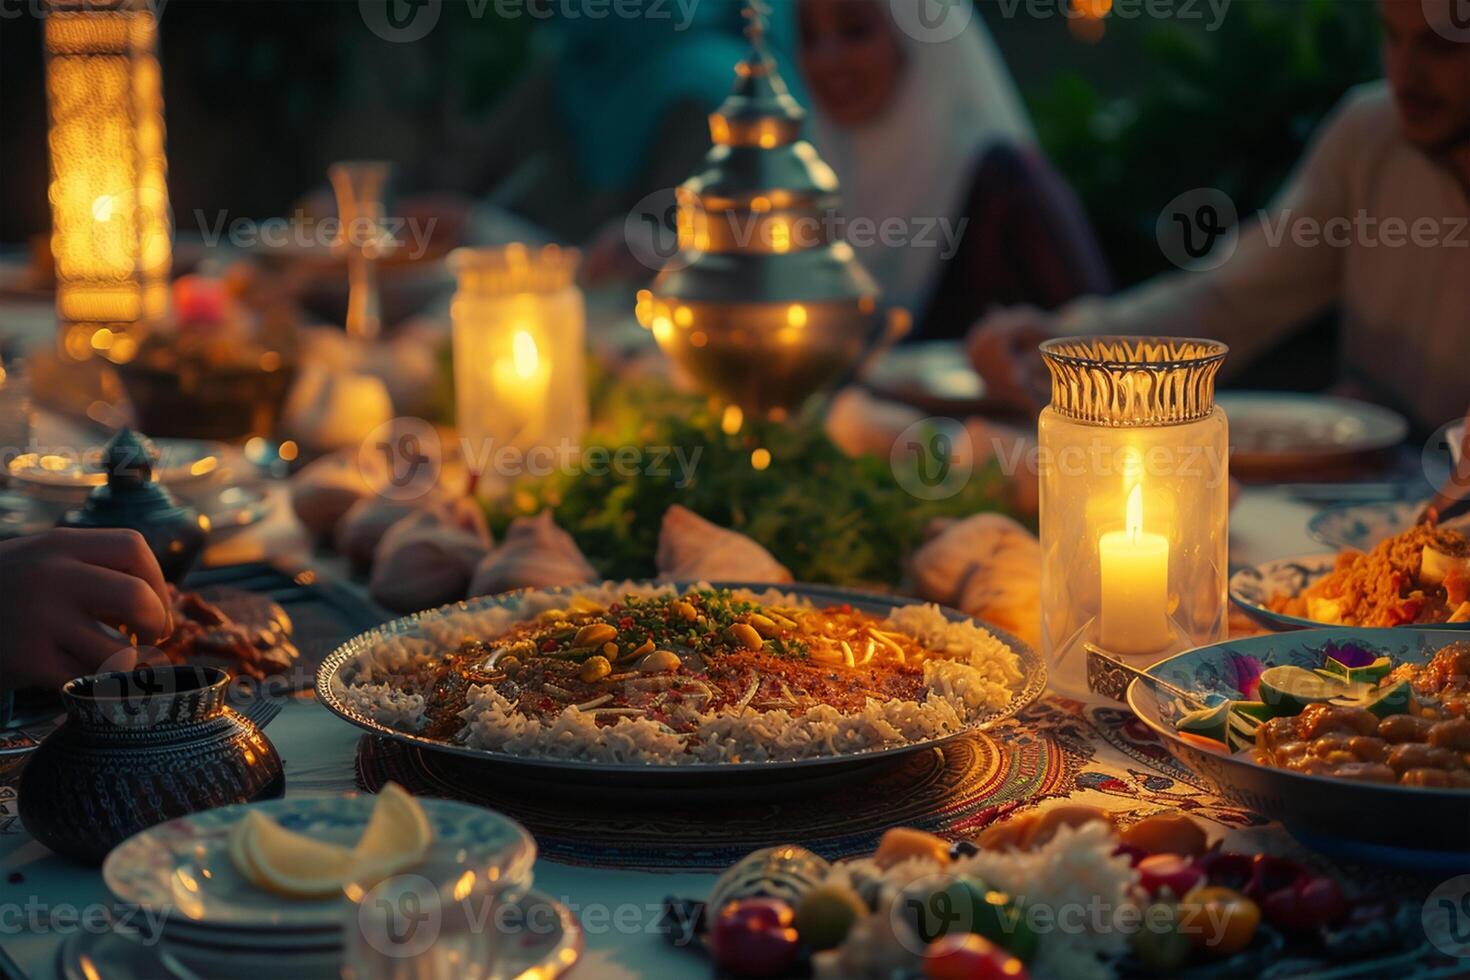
point(1248, 587)
point(1033, 684)
point(1152, 715)
point(1382, 427)
point(139, 870)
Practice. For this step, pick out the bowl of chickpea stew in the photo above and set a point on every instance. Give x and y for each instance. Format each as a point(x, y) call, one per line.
point(1356, 739)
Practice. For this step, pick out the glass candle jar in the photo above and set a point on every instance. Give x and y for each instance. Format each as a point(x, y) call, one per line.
point(520, 385)
point(1133, 457)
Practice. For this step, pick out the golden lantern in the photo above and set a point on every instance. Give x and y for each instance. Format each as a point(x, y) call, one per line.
point(1133, 457)
point(762, 304)
point(109, 201)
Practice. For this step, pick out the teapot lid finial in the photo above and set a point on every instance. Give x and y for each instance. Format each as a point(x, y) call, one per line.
point(128, 458)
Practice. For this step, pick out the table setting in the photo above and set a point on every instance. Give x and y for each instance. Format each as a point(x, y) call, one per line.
point(500, 625)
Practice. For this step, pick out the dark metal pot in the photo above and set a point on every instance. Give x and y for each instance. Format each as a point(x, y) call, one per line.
point(137, 748)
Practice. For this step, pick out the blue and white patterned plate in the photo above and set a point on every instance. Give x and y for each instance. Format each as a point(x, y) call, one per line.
point(1362, 526)
point(1407, 826)
point(183, 867)
point(1252, 587)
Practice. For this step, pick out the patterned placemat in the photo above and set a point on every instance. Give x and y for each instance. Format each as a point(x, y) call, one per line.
point(1057, 747)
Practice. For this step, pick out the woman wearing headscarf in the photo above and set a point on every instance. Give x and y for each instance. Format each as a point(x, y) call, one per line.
point(929, 136)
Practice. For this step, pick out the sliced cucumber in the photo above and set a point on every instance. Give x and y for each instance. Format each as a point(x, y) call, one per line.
point(1388, 699)
point(1245, 718)
point(1287, 690)
point(1208, 722)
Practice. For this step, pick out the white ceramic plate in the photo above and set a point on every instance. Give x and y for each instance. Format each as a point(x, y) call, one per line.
point(183, 866)
point(1282, 429)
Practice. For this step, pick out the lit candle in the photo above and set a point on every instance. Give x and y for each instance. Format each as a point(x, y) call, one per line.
point(1135, 585)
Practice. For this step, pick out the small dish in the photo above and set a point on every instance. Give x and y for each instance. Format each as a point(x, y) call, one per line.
point(1361, 526)
point(1406, 826)
point(177, 463)
point(1252, 587)
point(183, 867)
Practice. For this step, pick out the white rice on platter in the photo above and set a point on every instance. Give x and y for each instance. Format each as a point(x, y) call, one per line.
point(977, 677)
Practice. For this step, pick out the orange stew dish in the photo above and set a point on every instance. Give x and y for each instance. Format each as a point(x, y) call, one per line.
point(1420, 576)
point(1425, 744)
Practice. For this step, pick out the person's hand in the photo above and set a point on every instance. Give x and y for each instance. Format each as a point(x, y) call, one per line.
point(57, 591)
point(1002, 348)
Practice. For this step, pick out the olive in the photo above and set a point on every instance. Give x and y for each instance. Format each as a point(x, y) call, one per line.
point(763, 625)
point(746, 636)
point(595, 635)
point(658, 662)
point(827, 914)
point(595, 669)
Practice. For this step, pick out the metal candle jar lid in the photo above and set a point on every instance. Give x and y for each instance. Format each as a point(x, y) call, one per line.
point(762, 305)
point(133, 498)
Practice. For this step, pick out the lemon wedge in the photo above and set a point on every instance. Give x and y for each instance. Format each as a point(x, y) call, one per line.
point(397, 835)
point(291, 864)
point(271, 857)
point(238, 857)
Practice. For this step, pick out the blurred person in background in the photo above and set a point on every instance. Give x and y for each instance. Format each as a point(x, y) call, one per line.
point(933, 134)
point(611, 110)
point(1373, 223)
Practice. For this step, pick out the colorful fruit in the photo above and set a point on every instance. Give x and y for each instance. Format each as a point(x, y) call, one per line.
point(1159, 945)
point(754, 937)
point(827, 914)
point(1173, 872)
point(1307, 904)
point(966, 956)
point(1219, 920)
point(1007, 834)
point(1068, 815)
point(939, 906)
point(1167, 833)
point(903, 843)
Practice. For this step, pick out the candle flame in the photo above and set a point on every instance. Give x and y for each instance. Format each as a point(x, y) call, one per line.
point(524, 354)
point(1133, 519)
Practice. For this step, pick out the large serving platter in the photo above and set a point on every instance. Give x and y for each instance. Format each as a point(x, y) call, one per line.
point(1401, 825)
point(330, 687)
point(1252, 587)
